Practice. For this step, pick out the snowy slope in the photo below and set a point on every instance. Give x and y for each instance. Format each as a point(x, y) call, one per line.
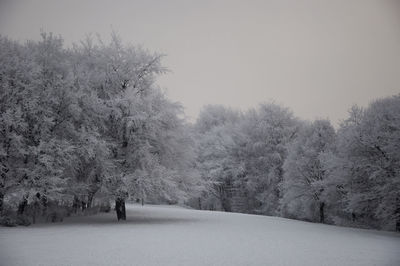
point(160, 235)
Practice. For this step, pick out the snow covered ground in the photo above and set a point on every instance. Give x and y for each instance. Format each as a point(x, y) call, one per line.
point(161, 235)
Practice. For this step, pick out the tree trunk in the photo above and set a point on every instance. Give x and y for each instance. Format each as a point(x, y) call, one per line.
point(224, 197)
point(44, 203)
point(322, 212)
point(35, 210)
point(1, 203)
point(83, 205)
point(120, 209)
point(90, 200)
point(353, 217)
point(397, 214)
point(75, 204)
point(22, 205)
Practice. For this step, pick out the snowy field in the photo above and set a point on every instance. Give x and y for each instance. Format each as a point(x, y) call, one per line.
point(161, 235)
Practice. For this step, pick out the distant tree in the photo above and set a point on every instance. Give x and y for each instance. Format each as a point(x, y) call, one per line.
point(268, 129)
point(212, 116)
point(304, 173)
point(214, 155)
point(366, 167)
point(240, 156)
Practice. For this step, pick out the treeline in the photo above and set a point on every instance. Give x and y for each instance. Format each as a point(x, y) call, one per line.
point(86, 123)
point(266, 161)
point(86, 127)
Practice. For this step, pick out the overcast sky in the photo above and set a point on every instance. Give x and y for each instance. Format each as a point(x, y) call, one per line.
point(316, 57)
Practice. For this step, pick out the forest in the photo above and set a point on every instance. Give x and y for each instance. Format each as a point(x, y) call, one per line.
point(86, 128)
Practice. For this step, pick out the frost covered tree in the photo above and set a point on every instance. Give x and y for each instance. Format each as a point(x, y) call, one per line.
point(149, 149)
point(38, 115)
point(215, 161)
point(212, 116)
point(90, 121)
point(267, 130)
point(304, 176)
point(87, 119)
point(241, 156)
point(365, 170)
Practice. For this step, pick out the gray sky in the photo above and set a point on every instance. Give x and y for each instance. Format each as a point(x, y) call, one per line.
point(316, 57)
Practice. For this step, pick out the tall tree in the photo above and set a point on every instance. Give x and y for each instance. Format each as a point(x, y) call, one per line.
point(215, 161)
point(366, 166)
point(268, 129)
point(304, 178)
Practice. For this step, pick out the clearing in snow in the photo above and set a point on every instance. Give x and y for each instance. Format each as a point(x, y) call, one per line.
point(167, 235)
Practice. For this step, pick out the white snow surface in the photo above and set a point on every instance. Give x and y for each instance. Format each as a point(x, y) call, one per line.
point(164, 235)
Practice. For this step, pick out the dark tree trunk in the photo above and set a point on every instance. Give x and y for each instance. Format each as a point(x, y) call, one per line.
point(35, 211)
point(75, 204)
point(1, 203)
point(353, 217)
point(199, 203)
point(225, 197)
point(120, 209)
point(397, 214)
point(142, 202)
point(22, 206)
point(93, 188)
point(83, 205)
point(90, 199)
point(322, 212)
